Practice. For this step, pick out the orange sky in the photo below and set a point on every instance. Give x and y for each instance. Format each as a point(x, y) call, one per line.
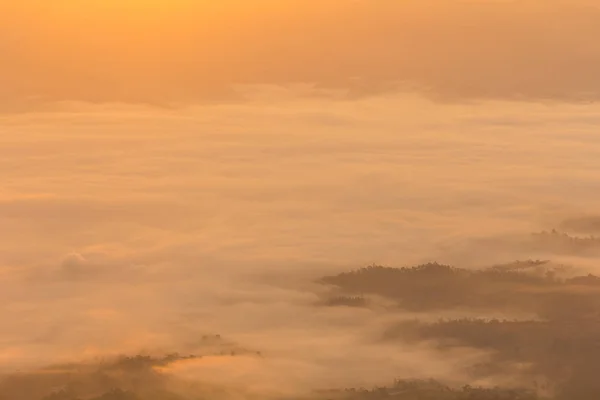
point(188, 51)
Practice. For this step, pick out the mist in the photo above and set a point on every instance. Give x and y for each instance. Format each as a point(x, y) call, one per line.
point(206, 232)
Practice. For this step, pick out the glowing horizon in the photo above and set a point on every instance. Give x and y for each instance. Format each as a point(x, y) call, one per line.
point(190, 51)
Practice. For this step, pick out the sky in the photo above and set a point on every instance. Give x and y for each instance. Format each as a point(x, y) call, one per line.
point(184, 51)
point(175, 169)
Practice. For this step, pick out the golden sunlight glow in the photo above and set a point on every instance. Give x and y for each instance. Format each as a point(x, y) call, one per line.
point(189, 189)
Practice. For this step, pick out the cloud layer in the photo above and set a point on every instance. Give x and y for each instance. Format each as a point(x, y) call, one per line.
point(129, 229)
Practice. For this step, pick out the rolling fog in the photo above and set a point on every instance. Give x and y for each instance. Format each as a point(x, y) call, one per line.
point(137, 230)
